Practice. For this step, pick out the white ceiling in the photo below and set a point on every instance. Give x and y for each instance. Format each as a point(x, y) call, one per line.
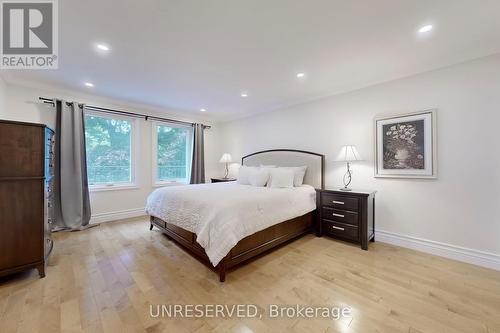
point(190, 54)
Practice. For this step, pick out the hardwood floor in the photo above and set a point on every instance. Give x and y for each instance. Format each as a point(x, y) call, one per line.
point(104, 279)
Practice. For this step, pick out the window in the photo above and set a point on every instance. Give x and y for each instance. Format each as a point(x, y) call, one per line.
point(108, 141)
point(172, 153)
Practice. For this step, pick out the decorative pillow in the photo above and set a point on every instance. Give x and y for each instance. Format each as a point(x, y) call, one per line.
point(244, 174)
point(259, 177)
point(299, 174)
point(281, 177)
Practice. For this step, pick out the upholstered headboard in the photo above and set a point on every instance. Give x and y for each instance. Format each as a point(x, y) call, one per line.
point(289, 157)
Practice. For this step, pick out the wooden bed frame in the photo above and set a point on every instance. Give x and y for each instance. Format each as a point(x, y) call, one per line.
point(250, 246)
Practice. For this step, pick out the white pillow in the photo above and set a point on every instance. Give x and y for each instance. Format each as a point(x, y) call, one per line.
point(244, 174)
point(258, 177)
point(281, 177)
point(299, 173)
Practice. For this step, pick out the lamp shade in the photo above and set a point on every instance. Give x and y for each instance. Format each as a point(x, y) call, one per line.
point(348, 154)
point(226, 158)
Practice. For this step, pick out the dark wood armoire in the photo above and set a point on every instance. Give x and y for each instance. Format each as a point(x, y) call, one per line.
point(26, 196)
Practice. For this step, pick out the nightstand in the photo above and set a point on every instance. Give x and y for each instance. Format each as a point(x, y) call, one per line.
point(349, 216)
point(222, 180)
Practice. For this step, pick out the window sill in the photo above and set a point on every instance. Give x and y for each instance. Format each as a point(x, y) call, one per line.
point(172, 183)
point(105, 188)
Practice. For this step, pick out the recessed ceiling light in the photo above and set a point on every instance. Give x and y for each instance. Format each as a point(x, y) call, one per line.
point(103, 47)
point(300, 75)
point(425, 28)
point(244, 95)
point(203, 110)
point(88, 84)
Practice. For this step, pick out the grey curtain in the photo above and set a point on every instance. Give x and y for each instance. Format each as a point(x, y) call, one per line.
point(198, 162)
point(72, 202)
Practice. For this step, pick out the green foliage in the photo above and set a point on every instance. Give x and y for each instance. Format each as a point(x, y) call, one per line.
point(108, 145)
point(172, 152)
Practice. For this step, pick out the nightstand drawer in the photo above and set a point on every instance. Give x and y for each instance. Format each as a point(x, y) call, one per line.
point(339, 202)
point(347, 215)
point(339, 215)
point(341, 230)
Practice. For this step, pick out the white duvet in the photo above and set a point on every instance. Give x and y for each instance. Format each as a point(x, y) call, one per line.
point(222, 214)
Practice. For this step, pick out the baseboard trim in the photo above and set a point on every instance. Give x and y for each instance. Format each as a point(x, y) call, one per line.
point(113, 216)
point(475, 257)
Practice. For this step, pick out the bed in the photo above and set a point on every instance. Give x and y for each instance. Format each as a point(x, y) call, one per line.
point(226, 224)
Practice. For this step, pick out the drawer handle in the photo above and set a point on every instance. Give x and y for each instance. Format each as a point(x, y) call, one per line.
point(338, 202)
point(338, 215)
point(338, 228)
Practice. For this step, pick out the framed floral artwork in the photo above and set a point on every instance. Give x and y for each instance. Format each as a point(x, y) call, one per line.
point(405, 145)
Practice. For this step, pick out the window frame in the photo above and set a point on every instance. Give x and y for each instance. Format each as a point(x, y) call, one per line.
point(154, 144)
point(133, 153)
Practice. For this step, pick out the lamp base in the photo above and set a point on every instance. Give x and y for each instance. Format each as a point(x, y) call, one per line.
point(347, 179)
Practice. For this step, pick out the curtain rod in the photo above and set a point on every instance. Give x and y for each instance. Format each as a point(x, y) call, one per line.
point(125, 113)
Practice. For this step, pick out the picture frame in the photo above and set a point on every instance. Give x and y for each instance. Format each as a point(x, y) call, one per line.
point(406, 145)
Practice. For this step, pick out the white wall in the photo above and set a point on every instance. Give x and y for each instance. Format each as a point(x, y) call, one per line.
point(462, 207)
point(22, 105)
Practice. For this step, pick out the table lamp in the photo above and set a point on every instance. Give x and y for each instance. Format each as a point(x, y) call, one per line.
point(226, 158)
